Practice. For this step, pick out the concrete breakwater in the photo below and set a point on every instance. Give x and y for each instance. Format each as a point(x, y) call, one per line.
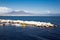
point(22, 23)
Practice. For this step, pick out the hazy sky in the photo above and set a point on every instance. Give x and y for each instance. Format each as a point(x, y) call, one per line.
point(35, 6)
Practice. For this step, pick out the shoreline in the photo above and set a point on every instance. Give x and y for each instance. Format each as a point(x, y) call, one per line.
point(22, 23)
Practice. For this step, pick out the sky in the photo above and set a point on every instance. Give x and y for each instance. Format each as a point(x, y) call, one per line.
point(33, 6)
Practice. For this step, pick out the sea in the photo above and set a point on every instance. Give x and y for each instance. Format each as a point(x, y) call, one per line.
point(31, 33)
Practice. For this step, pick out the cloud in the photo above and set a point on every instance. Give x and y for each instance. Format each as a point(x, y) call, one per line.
point(5, 10)
point(16, 10)
point(45, 12)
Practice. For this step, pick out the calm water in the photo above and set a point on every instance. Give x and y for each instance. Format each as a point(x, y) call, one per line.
point(31, 33)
